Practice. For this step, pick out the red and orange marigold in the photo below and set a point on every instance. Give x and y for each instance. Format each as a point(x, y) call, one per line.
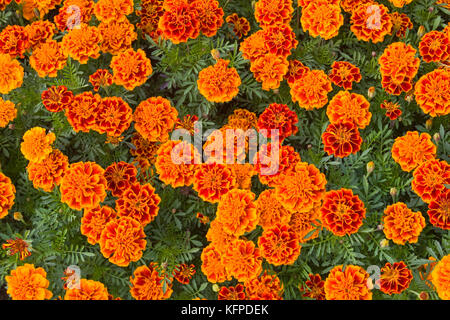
point(212, 266)
point(241, 26)
point(303, 223)
point(279, 245)
point(212, 181)
point(350, 284)
point(101, 79)
point(341, 139)
point(280, 118)
point(48, 58)
point(393, 110)
point(28, 283)
point(430, 179)
point(184, 273)
point(94, 221)
point(400, 23)
point(264, 287)
point(343, 74)
point(322, 19)
point(273, 12)
point(113, 117)
point(221, 239)
point(314, 287)
point(210, 16)
point(311, 90)
point(65, 18)
point(371, 22)
point(57, 98)
point(432, 92)
point(148, 283)
point(82, 112)
point(413, 149)
point(82, 43)
point(113, 10)
point(349, 107)
point(270, 70)
point(119, 177)
point(279, 40)
point(7, 195)
point(131, 68)
point(271, 211)
point(439, 210)
point(117, 36)
point(243, 261)
point(180, 23)
point(253, 47)
point(49, 172)
point(434, 46)
point(232, 293)
point(296, 70)
point(39, 32)
point(14, 41)
point(395, 278)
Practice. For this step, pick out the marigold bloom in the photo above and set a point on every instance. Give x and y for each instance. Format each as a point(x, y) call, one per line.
point(56, 98)
point(82, 43)
point(11, 74)
point(400, 23)
point(49, 172)
point(311, 90)
point(343, 74)
point(301, 188)
point(296, 70)
point(242, 119)
point(48, 58)
point(237, 212)
point(82, 112)
point(37, 144)
point(322, 19)
point(114, 116)
point(371, 22)
point(139, 202)
point(315, 287)
point(218, 83)
point(89, 290)
point(210, 16)
point(150, 13)
point(119, 177)
point(7, 195)
point(14, 41)
point(94, 221)
point(144, 151)
point(393, 110)
point(439, 210)
point(432, 92)
point(241, 26)
point(40, 32)
point(430, 179)
point(434, 46)
point(278, 117)
point(117, 36)
point(401, 224)
point(350, 284)
point(183, 273)
point(273, 12)
point(83, 185)
point(302, 223)
point(350, 5)
point(131, 68)
point(253, 47)
point(155, 118)
point(212, 181)
point(65, 18)
point(400, 3)
point(271, 211)
point(243, 261)
point(8, 112)
point(122, 241)
point(270, 70)
point(28, 283)
point(341, 139)
point(33, 9)
point(398, 66)
point(113, 10)
point(188, 123)
point(4, 4)
point(212, 266)
point(149, 284)
point(232, 293)
point(440, 277)
point(264, 287)
point(413, 149)
point(280, 40)
point(395, 278)
point(279, 245)
point(349, 107)
point(221, 239)
point(180, 23)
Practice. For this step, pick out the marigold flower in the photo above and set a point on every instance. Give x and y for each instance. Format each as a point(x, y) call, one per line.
point(400, 23)
point(148, 283)
point(395, 278)
point(4, 4)
point(212, 181)
point(434, 46)
point(150, 13)
point(32, 9)
point(65, 18)
point(432, 92)
point(212, 266)
point(302, 223)
point(49, 172)
point(218, 83)
point(119, 177)
point(401, 224)
point(14, 41)
point(371, 22)
point(350, 284)
point(393, 110)
point(253, 47)
point(271, 211)
point(82, 43)
point(243, 261)
point(88, 290)
point(117, 36)
point(439, 210)
point(11, 74)
point(94, 221)
point(48, 58)
point(270, 70)
point(311, 90)
point(180, 23)
point(280, 40)
point(40, 32)
point(210, 16)
point(114, 116)
point(20, 246)
point(237, 212)
point(8, 112)
point(183, 273)
point(314, 287)
point(278, 117)
point(350, 5)
point(349, 107)
point(322, 18)
point(272, 12)
point(341, 139)
point(28, 283)
point(144, 151)
point(301, 188)
point(188, 123)
point(430, 179)
point(221, 239)
point(7, 195)
point(57, 98)
point(131, 68)
point(232, 293)
point(440, 278)
point(83, 111)
point(398, 66)
point(413, 149)
point(264, 287)
point(37, 144)
point(400, 3)
point(113, 10)
point(343, 74)
point(122, 241)
point(241, 26)
point(155, 118)
point(296, 70)
point(279, 245)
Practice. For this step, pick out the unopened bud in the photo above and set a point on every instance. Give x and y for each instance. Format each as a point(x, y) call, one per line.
point(380, 227)
point(174, 210)
point(215, 287)
point(421, 31)
point(371, 92)
point(11, 126)
point(437, 137)
point(429, 123)
point(424, 295)
point(430, 9)
point(370, 167)
point(393, 191)
point(18, 216)
point(374, 54)
point(384, 243)
point(215, 54)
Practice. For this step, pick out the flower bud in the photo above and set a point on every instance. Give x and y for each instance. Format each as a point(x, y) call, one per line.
point(215, 287)
point(374, 54)
point(437, 137)
point(429, 123)
point(380, 227)
point(370, 167)
point(215, 54)
point(384, 243)
point(421, 31)
point(371, 92)
point(18, 216)
point(424, 295)
point(393, 191)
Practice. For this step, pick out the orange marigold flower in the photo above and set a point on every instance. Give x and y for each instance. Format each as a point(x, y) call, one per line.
point(270, 70)
point(434, 46)
point(114, 116)
point(400, 3)
point(314, 287)
point(350, 5)
point(40, 32)
point(342, 212)
point(212, 181)
point(33, 9)
point(139, 202)
point(101, 78)
point(349, 107)
point(343, 74)
point(57, 98)
point(37, 144)
point(183, 273)
point(413, 149)
point(188, 123)
point(393, 110)
point(117, 36)
point(273, 12)
point(398, 66)
point(11, 74)
point(218, 83)
point(88, 290)
point(439, 210)
point(280, 118)
point(150, 13)
point(122, 241)
point(341, 139)
point(113, 10)
point(155, 118)
point(432, 92)
point(241, 26)
point(301, 188)
point(296, 70)
point(20, 246)
point(49, 172)
point(180, 23)
point(322, 19)
point(7, 195)
point(271, 211)
point(302, 223)
point(243, 261)
point(401, 224)
point(279, 245)
point(237, 212)
point(94, 221)
point(65, 18)
point(131, 68)
point(8, 112)
point(253, 47)
point(264, 287)
point(242, 119)
point(440, 277)
point(212, 266)
point(210, 16)
point(28, 283)
point(144, 150)
point(4, 4)
point(119, 177)
point(149, 284)
point(371, 22)
point(350, 284)
point(430, 179)
point(311, 90)
point(83, 185)
point(280, 40)
point(48, 58)
point(176, 163)
point(232, 293)
point(395, 278)
point(83, 111)
point(14, 41)
point(82, 43)
point(400, 23)
point(221, 239)
point(243, 174)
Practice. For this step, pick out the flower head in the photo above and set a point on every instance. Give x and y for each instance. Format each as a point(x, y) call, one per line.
point(20, 246)
point(11, 74)
point(440, 277)
point(279, 40)
point(48, 58)
point(296, 70)
point(7, 195)
point(232, 293)
point(311, 90)
point(94, 221)
point(400, 23)
point(88, 290)
point(82, 43)
point(341, 139)
point(413, 149)
point(264, 287)
point(430, 179)
point(212, 181)
point(8, 112)
point(303, 223)
point(241, 26)
point(349, 107)
point(434, 46)
point(114, 116)
point(395, 278)
point(314, 287)
point(148, 283)
point(371, 22)
point(183, 273)
point(279, 245)
point(28, 283)
point(180, 23)
point(82, 112)
point(57, 98)
point(49, 172)
point(278, 117)
point(343, 74)
point(117, 36)
point(322, 18)
point(210, 16)
point(113, 10)
point(14, 41)
point(348, 284)
point(243, 261)
point(393, 110)
point(439, 210)
point(270, 70)
point(432, 92)
point(273, 12)
point(212, 266)
point(37, 144)
point(271, 211)
point(131, 68)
